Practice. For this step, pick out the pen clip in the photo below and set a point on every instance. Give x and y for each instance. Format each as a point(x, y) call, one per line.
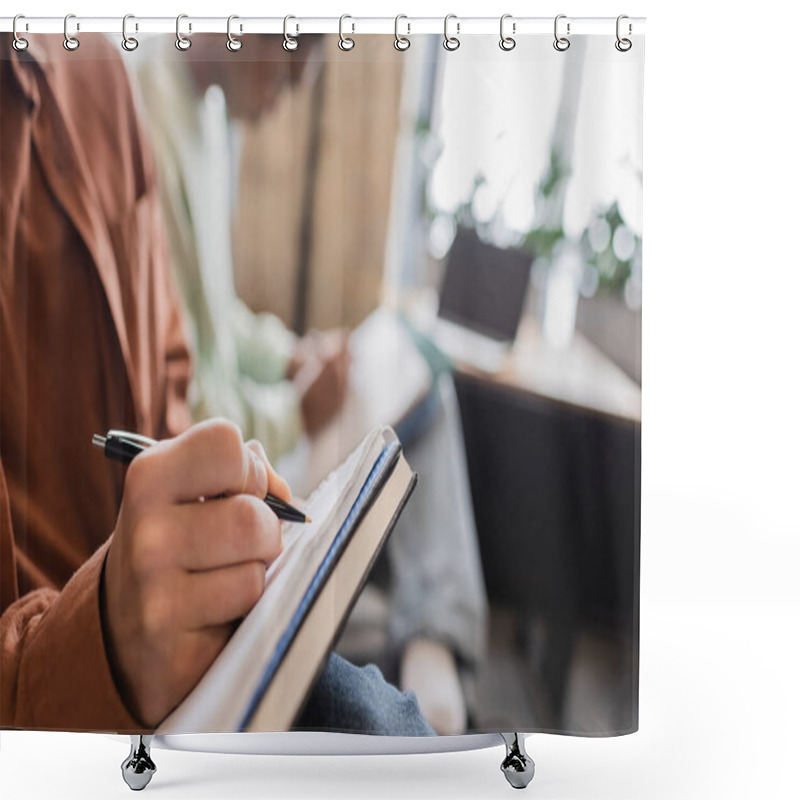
point(133, 438)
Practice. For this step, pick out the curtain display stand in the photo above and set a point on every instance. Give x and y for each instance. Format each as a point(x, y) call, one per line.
point(294, 25)
point(518, 767)
point(139, 767)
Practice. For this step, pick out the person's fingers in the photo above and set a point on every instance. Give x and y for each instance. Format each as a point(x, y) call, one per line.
point(347, 351)
point(338, 349)
point(276, 485)
point(342, 370)
point(337, 382)
point(326, 344)
point(316, 340)
point(212, 598)
point(222, 532)
point(207, 460)
point(304, 351)
point(308, 374)
point(202, 646)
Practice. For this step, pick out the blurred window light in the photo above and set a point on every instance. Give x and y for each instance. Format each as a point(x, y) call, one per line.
point(484, 203)
point(483, 129)
point(440, 235)
point(624, 243)
point(590, 282)
point(599, 234)
point(518, 207)
point(633, 293)
point(488, 146)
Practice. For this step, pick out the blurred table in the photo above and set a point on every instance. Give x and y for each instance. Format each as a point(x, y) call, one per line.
point(579, 375)
point(553, 440)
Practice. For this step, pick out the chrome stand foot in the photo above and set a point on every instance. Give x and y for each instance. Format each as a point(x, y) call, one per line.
point(138, 768)
point(517, 766)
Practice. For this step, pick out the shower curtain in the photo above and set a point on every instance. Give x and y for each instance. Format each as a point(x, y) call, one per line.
point(261, 246)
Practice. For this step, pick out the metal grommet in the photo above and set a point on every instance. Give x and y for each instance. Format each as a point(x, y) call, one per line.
point(451, 42)
point(233, 44)
point(290, 43)
point(401, 43)
point(70, 42)
point(507, 42)
point(623, 44)
point(129, 43)
point(19, 43)
point(561, 43)
point(181, 42)
point(345, 42)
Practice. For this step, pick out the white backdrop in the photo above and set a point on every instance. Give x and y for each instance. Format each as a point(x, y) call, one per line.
point(720, 697)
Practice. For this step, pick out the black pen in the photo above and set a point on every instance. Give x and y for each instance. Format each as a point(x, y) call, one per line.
point(123, 446)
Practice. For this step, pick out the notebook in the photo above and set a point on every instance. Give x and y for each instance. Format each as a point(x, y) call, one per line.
point(261, 679)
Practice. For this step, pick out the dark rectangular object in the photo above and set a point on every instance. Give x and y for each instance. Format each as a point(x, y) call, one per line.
point(484, 286)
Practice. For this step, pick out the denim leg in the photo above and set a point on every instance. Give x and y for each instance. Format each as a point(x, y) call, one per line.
point(354, 699)
point(437, 586)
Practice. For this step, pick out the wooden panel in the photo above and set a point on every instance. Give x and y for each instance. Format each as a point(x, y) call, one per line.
point(352, 190)
point(267, 220)
point(354, 183)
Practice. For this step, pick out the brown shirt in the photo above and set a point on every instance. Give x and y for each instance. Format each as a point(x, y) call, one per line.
point(90, 339)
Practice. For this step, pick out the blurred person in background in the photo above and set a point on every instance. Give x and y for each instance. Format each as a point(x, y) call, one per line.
point(250, 368)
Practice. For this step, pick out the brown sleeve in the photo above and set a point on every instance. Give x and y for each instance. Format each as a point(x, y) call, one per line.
point(54, 674)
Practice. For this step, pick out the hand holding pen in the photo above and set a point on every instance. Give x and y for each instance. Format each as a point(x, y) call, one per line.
point(180, 573)
point(124, 447)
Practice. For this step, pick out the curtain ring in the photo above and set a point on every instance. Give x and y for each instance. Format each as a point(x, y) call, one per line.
point(561, 43)
point(290, 43)
point(507, 42)
point(233, 44)
point(181, 42)
point(70, 42)
point(19, 43)
point(401, 43)
point(345, 42)
point(129, 43)
point(451, 42)
point(623, 45)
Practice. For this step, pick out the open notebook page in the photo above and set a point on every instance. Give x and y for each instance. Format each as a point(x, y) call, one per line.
point(218, 700)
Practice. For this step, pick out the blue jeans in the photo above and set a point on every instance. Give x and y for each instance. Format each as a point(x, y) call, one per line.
point(437, 589)
point(350, 699)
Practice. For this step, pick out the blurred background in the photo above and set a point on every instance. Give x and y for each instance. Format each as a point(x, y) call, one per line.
point(492, 202)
